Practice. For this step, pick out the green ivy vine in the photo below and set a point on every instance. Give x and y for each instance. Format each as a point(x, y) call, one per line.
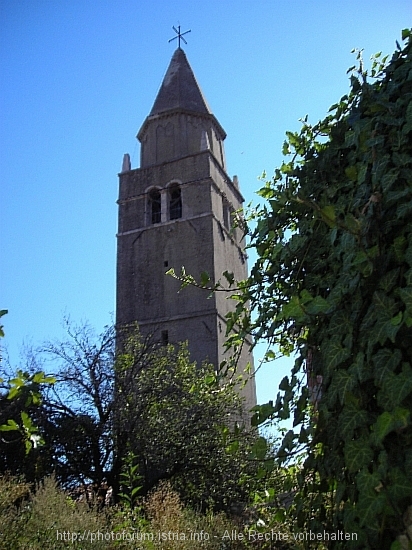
point(333, 283)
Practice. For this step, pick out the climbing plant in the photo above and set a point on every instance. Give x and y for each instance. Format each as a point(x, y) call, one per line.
point(333, 283)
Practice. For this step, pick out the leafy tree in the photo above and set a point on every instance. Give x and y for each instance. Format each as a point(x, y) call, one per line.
point(141, 409)
point(179, 421)
point(333, 283)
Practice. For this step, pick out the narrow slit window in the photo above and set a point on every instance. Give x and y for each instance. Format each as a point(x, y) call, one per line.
point(165, 337)
point(155, 206)
point(175, 206)
point(226, 214)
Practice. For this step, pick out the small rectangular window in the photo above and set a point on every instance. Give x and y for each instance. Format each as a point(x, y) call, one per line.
point(165, 337)
point(226, 214)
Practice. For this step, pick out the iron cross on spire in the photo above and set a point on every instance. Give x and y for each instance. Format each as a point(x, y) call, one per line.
point(179, 36)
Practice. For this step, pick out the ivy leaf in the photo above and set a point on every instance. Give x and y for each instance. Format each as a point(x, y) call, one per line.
point(406, 297)
point(351, 418)
point(363, 263)
point(385, 362)
point(293, 310)
point(368, 482)
point(406, 33)
point(284, 384)
point(399, 485)
point(287, 444)
point(371, 500)
point(395, 321)
point(369, 507)
point(262, 413)
point(396, 388)
point(388, 422)
point(384, 304)
point(334, 354)
point(363, 169)
point(204, 278)
point(389, 280)
point(229, 277)
point(342, 383)
point(358, 454)
point(388, 179)
point(404, 210)
point(384, 329)
point(382, 427)
point(317, 305)
point(339, 322)
point(360, 368)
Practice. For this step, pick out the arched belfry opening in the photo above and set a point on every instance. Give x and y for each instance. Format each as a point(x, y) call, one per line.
point(173, 211)
point(175, 201)
point(155, 206)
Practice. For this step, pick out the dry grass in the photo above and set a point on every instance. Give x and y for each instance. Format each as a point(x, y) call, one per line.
point(178, 528)
point(48, 519)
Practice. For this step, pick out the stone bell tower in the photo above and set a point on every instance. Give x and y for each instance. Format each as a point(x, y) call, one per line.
point(176, 210)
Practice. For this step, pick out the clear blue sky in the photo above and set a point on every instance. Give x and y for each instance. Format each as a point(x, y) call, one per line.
point(78, 77)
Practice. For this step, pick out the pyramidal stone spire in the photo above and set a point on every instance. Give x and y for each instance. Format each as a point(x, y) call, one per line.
point(179, 89)
point(180, 122)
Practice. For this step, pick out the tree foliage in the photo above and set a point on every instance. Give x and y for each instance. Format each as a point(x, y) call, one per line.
point(178, 421)
point(333, 283)
point(20, 398)
point(128, 412)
